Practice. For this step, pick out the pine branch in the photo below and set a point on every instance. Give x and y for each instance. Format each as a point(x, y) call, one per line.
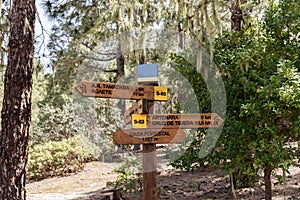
point(98, 59)
point(110, 71)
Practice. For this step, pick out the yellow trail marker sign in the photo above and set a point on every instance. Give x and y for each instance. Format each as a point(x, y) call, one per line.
point(161, 93)
point(199, 120)
point(122, 91)
point(139, 121)
point(149, 136)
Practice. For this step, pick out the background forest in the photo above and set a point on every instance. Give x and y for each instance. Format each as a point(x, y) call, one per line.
point(254, 44)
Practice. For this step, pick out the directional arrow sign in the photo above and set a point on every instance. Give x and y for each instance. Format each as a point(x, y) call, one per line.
point(201, 120)
point(122, 91)
point(149, 136)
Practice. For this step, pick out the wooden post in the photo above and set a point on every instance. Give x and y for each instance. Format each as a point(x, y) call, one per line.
point(149, 172)
point(147, 93)
point(148, 75)
point(150, 180)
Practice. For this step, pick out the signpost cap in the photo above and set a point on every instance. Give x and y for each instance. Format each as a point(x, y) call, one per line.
point(147, 74)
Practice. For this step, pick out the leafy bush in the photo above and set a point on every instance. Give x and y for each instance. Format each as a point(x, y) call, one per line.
point(260, 70)
point(56, 158)
point(53, 124)
point(129, 175)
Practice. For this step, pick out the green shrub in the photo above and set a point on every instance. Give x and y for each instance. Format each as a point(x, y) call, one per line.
point(129, 175)
point(53, 124)
point(56, 158)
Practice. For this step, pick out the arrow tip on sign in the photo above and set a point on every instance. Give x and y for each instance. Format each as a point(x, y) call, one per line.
point(81, 88)
point(217, 120)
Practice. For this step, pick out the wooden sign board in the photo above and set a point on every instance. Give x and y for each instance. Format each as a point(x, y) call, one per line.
point(121, 91)
point(149, 136)
point(139, 107)
point(202, 120)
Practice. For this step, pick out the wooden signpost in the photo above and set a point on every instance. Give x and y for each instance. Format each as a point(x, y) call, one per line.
point(122, 91)
point(203, 120)
point(148, 128)
point(149, 136)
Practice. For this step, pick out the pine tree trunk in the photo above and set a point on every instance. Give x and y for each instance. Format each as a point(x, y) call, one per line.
point(268, 184)
point(16, 111)
point(120, 63)
point(180, 36)
point(236, 16)
point(120, 74)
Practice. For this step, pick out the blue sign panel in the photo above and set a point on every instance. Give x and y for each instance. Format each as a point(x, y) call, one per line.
point(147, 73)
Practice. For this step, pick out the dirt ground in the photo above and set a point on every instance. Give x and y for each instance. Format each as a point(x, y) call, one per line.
point(173, 184)
point(207, 184)
point(86, 184)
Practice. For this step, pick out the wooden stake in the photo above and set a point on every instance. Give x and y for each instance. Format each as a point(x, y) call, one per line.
point(150, 180)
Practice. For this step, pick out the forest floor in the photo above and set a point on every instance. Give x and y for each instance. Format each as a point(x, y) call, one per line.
point(205, 183)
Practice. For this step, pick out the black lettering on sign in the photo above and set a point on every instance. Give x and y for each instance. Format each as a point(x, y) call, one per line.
point(139, 94)
point(108, 86)
point(122, 87)
point(163, 123)
point(101, 91)
point(140, 121)
point(207, 117)
point(207, 122)
point(149, 139)
point(199, 122)
point(163, 133)
point(165, 117)
point(141, 134)
point(161, 93)
point(184, 123)
point(155, 139)
point(172, 117)
point(158, 117)
point(150, 134)
point(96, 85)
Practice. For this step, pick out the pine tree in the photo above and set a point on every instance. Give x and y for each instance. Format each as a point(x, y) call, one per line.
point(16, 112)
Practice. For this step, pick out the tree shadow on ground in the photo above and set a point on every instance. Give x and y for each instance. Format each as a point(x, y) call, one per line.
point(206, 183)
point(97, 195)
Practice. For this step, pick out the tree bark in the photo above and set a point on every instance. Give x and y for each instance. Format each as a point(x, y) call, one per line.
point(180, 31)
point(236, 16)
point(268, 183)
point(16, 111)
point(120, 63)
point(120, 74)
